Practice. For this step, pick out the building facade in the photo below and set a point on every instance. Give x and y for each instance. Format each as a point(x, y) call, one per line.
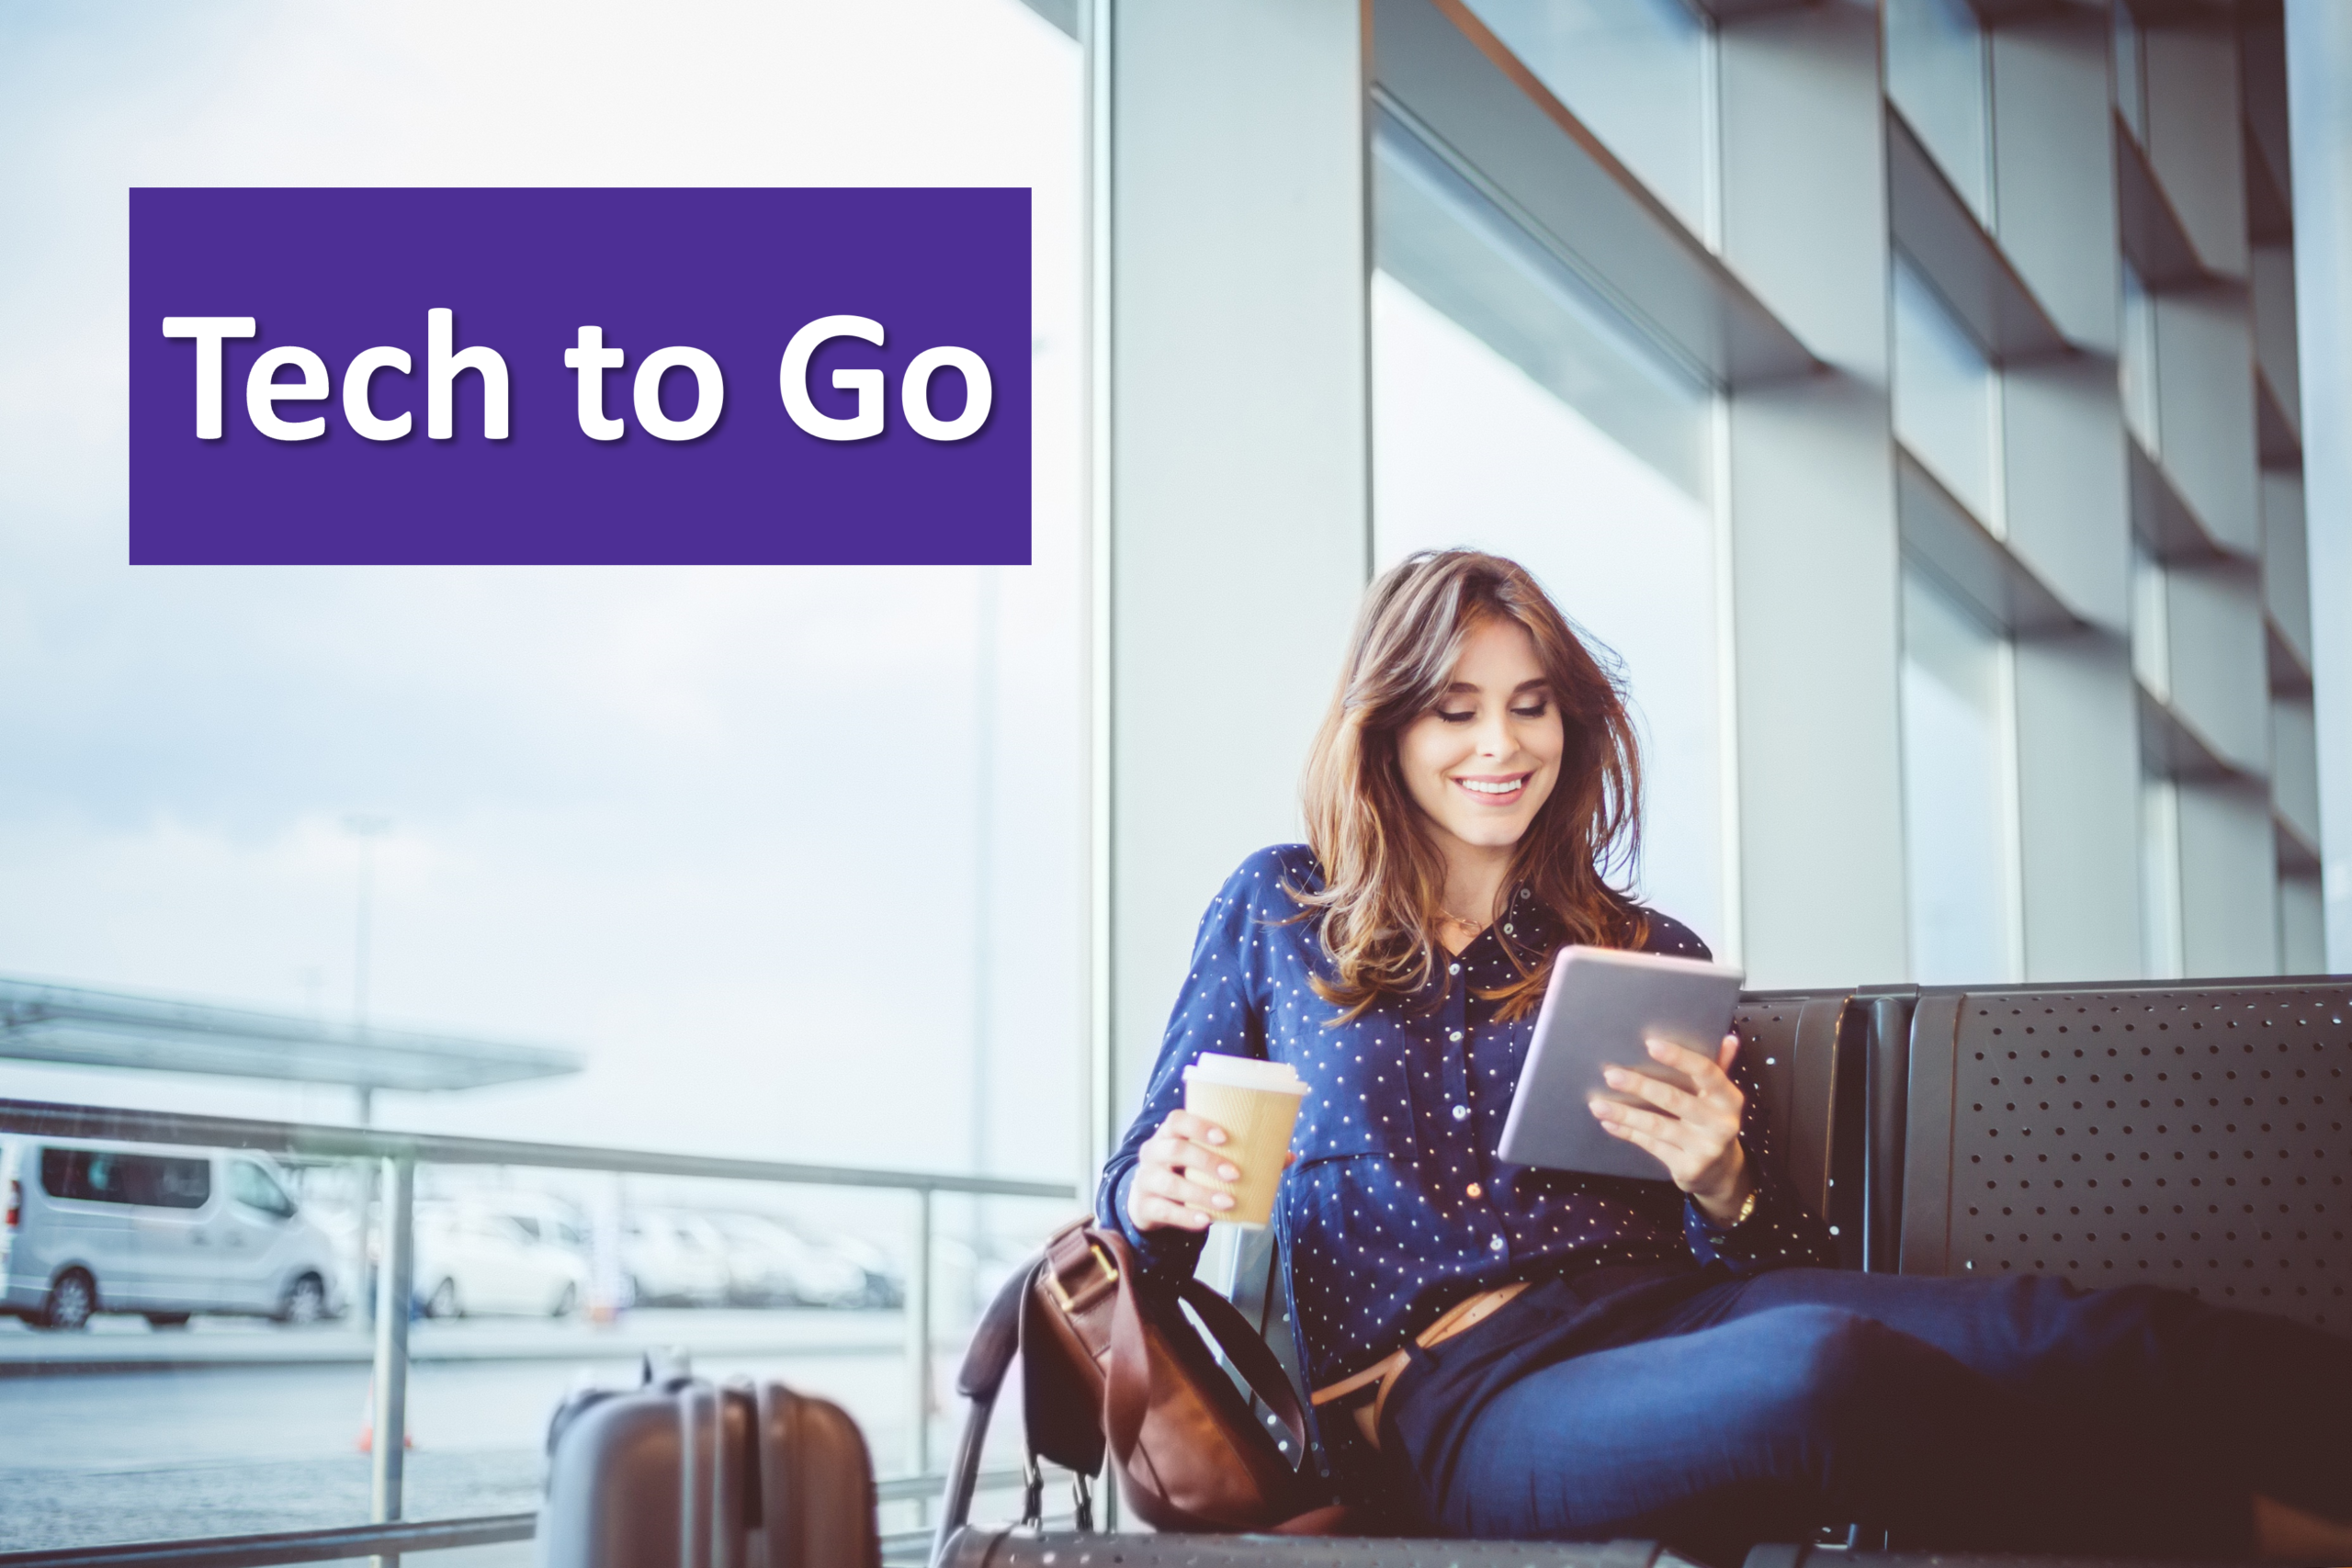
point(1905, 394)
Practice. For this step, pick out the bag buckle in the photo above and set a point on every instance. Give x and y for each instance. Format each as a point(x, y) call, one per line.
point(1092, 1291)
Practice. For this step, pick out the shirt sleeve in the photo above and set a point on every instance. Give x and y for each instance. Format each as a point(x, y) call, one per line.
point(1220, 1008)
point(1781, 1230)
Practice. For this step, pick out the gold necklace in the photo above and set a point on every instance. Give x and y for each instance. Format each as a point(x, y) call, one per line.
point(1465, 925)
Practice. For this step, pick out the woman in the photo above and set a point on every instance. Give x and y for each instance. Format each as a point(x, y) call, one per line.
point(1597, 1356)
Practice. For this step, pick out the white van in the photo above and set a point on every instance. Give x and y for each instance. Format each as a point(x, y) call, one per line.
point(163, 1230)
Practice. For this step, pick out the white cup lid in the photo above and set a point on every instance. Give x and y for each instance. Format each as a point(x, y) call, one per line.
point(1246, 1072)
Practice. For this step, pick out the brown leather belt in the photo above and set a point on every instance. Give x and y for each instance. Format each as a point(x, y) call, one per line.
point(1381, 1376)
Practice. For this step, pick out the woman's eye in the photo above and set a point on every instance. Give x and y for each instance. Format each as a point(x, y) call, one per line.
point(1463, 717)
point(1537, 711)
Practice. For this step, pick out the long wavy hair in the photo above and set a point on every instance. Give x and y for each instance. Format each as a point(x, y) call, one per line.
point(1383, 872)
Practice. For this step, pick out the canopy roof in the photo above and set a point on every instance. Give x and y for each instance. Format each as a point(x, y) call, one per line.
point(120, 1029)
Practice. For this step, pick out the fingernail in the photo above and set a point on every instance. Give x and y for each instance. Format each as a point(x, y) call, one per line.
point(1613, 1076)
point(1222, 1201)
point(1228, 1173)
point(1216, 1134)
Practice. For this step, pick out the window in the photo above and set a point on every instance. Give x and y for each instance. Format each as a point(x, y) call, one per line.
point(252, 1186)
point(664, 817)
point(1945, 396)
point(788, 857)
point(1959, 793)
point(2136, 362)
point(1441, 236)
point(2151, 626)
point(1514, 411)
point(103, 1175)
point(2130, 73)
point(2163, 946)
point(1639, 73)
point(1936, 75)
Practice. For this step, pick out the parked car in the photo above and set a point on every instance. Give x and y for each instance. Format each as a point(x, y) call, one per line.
point(473, 1260)
point(163, 1230)
point(885, 1282)
point(769, 1264)
point(672, 1259)
point(543, 1216)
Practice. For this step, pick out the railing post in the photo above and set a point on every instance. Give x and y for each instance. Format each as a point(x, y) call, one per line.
point(918, 1336)
point(395, 1278)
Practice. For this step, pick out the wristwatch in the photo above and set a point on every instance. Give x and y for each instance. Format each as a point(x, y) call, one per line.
point(1745, 1208)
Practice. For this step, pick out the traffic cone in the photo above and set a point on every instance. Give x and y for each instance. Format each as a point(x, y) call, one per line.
point(368, 1422)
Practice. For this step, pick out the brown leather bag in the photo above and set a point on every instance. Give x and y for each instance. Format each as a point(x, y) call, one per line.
point(1110, 1360)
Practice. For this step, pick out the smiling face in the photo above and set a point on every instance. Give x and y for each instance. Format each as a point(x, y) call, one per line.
point(1482, 761)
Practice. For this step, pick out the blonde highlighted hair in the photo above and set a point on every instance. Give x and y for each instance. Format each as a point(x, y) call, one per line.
point(1383, 875)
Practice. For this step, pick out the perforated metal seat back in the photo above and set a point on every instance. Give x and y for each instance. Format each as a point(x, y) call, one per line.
point(2193, 1136)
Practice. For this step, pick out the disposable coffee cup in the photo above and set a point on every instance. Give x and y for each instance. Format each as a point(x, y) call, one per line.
point(1256, 1102)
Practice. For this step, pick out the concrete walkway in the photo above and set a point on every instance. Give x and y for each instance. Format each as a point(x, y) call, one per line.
point(116, 1344)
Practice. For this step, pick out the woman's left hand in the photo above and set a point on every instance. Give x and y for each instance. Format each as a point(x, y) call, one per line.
point(1695, 1132)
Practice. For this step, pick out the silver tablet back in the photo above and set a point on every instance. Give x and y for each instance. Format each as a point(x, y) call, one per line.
point(1599, 1007)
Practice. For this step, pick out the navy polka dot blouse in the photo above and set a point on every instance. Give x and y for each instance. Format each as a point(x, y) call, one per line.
point(1398, 1207)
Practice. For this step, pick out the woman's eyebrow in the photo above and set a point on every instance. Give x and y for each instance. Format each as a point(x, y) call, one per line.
point(1473, 688)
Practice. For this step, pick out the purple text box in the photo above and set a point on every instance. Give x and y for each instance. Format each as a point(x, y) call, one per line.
point(734, 273)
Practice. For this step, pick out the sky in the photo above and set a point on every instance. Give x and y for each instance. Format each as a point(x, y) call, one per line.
point(718, 830)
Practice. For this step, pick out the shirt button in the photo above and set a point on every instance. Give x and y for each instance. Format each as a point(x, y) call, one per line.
point(1476, 1191)
point(1455, 1036)
point(1462, 1113)
point(1509, 929)
point(1454, 968)
point(1496, 1245)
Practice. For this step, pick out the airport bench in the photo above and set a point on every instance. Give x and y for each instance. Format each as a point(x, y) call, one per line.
point(1923, 1122)
point(2188, 1134)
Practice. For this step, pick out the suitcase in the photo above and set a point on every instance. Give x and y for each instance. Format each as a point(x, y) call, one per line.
point(681, 1473)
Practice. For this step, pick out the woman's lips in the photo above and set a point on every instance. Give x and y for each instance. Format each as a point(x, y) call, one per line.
point(1491, 791)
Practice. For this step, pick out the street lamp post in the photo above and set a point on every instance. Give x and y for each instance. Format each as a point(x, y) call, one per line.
point(984, 683)
point(366, 829)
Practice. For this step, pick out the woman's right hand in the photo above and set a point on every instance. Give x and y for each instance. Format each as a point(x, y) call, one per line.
point(1163, 1195)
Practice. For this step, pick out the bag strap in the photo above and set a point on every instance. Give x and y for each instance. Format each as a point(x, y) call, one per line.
point(1061, 1398)
point(1126, 1395)
point(1250, 1355)
point(990, 1355)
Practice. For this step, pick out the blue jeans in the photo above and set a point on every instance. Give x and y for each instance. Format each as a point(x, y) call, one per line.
point(2018, 1414)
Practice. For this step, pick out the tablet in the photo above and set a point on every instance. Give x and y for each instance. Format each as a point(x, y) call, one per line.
point(1599, 1007)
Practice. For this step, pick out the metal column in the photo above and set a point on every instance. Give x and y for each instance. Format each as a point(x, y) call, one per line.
point(395, 1281)
point(918, 1339)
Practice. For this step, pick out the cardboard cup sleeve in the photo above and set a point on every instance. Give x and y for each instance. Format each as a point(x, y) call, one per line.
point(1257, 1123)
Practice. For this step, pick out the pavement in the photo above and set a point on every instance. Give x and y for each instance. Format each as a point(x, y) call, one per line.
point(94, 1452)
point(125, 1343)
